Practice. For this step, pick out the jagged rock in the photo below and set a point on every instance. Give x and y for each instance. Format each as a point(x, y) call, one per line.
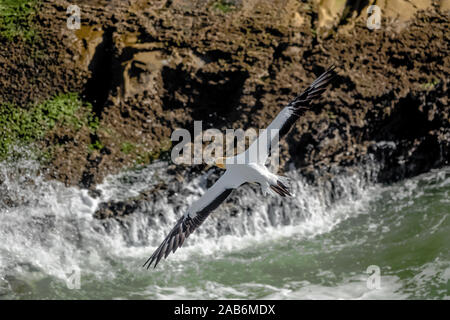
point(86, 43)
point(150, 67)
point(117, 209)
point(445, 5)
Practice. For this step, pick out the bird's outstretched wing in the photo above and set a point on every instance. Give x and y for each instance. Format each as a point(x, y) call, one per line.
point(284, 121)
point(197, 213)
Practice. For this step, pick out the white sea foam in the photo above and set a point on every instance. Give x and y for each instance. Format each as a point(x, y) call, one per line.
point(354, 288)
point(51, 226)
point(48, 230)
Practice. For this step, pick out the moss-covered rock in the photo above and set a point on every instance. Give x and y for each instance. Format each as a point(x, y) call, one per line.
point(147, 69)
point(17, 20)
point(22, 126)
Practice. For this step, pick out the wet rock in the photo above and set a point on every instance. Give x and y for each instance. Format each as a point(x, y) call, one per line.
point(117, 209)
point(148, 69)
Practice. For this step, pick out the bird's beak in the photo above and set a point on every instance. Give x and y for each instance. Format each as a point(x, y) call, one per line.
point(220, 162)
point(221, 165)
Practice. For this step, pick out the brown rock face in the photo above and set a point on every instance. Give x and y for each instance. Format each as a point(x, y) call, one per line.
point(149, 67)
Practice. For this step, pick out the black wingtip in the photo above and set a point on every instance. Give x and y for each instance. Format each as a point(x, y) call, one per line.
point(331, 71)
point(319, 85)
point(327, 75)
point(155, 255)
point(315, 89)
point(281, 189)
point(148, 263)
point(331, 68)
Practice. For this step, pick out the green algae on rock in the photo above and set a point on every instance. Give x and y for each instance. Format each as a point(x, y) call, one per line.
point(22, 126)
point(148, 69)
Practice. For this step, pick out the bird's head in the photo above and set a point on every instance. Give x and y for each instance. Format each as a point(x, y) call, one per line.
point(220, 162)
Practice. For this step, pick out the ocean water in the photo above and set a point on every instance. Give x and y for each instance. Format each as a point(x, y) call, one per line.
point(348, 238)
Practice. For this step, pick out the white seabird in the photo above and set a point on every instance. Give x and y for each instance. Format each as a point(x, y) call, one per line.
point(248, 166)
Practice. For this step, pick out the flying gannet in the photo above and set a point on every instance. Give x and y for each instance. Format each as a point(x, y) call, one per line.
point(248, 166)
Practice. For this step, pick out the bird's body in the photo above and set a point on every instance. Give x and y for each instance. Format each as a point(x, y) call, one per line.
point(246, 167)
point(234, 176)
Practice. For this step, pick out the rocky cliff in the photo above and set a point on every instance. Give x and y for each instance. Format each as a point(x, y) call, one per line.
point(144, 68)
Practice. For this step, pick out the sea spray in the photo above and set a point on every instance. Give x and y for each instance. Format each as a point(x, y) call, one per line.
point(48, 234)
point(50, 227)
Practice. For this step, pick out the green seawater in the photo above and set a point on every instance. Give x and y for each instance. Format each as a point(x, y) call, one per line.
point(392, 242)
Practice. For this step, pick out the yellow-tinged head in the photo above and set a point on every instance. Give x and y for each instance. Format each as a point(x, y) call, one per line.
point(220, 162)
